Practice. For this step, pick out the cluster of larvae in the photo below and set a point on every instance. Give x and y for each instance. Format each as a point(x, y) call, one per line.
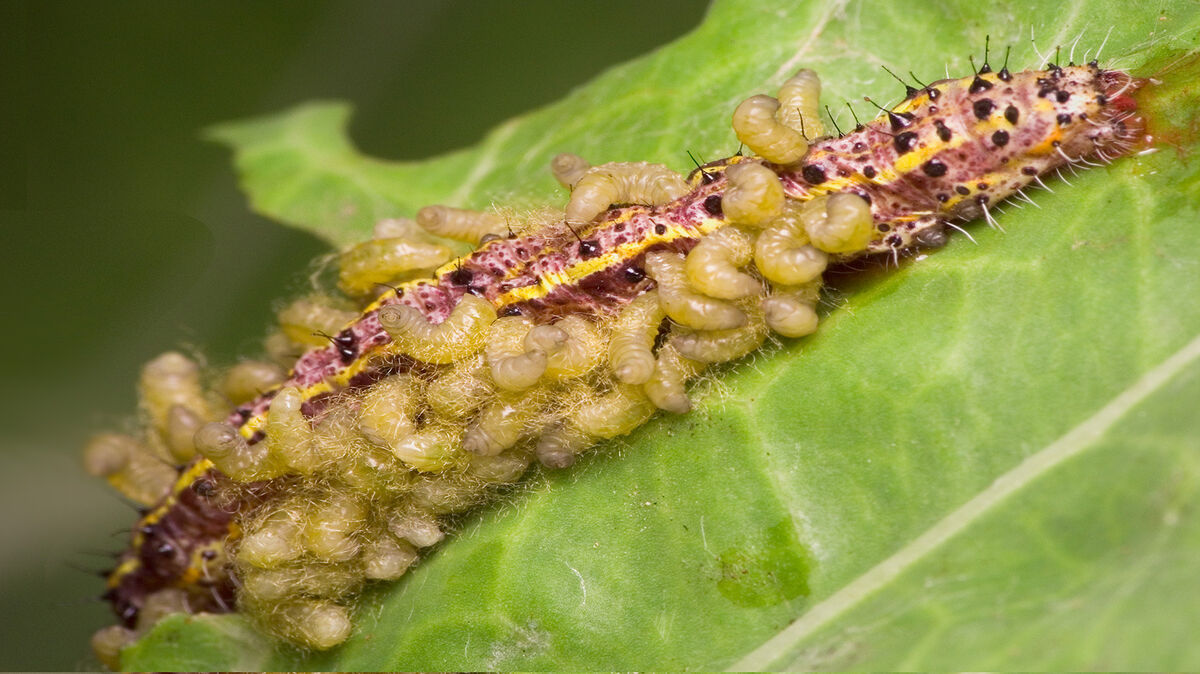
point(368, 482)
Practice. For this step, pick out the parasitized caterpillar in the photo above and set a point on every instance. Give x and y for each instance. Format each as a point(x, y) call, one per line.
point(566, 330)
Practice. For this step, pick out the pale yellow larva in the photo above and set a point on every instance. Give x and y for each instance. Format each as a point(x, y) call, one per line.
point(169, 380)
point(844, 225)
point(501, 423)
point(331, 530)
point(317, 623)
point(366, 266)
point(130, 467)
point(789, 315)
point(581, 351)
point(622, 183)
point(275, 538)
point(754, 195)
point(667, 386)
point(614, 413)
point(713, 265)
point(249, 379)
point(784, 255)
point(420, 529)
point(385, 558)
point(460, 335)
point(461, 389)
point(278, 584)
point(231, 454)
point(290, 443)
point(718, 346)
point(799, 104)
point(517, 362)
point(630, 344)
point(307, 321)
point(568, 169)
point(460, 224)
point(684, 305)
point(755, 124)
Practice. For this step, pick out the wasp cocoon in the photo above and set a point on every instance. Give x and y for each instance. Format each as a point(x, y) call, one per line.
point(501, 424)
point(326, 581)
point(667, 386)
point(168, 380)
point(622, 183)
point(331, 532)
point(230, 453)
point(460, 335)
point(308, 320)
point(568, 169)
point(517, 352)
point(499, 469)
point(843, 225)
point(430, 450)
point(289, 438)
point(450, 494)
point(684, 305)
point(314, 623)
point(629, 346)
point(756, 126)
point(754, 195)
point(783, 254)
point(385, 558)
point(251, 378)
point(712, 266)
point(275, 539)
point(419, 529)
point(460, 390)
point(799, 104)
point(789, 315)
point(365, 266)
point(460, 224)
point(387, 411)
point(129, 467)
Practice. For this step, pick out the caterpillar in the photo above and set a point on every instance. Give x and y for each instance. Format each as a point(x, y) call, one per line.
point(434, 381)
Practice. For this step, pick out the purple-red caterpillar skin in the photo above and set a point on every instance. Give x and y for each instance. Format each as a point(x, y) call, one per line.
point(948, 152)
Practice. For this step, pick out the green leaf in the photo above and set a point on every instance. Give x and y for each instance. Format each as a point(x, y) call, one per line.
point(986, 459)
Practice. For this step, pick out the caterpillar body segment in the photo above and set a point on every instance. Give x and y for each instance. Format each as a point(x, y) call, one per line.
point(541, 343)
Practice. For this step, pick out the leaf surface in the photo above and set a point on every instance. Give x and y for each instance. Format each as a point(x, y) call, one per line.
point(986, 459)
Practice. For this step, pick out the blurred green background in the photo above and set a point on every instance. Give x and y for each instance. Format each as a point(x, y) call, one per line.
point(123, 233)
